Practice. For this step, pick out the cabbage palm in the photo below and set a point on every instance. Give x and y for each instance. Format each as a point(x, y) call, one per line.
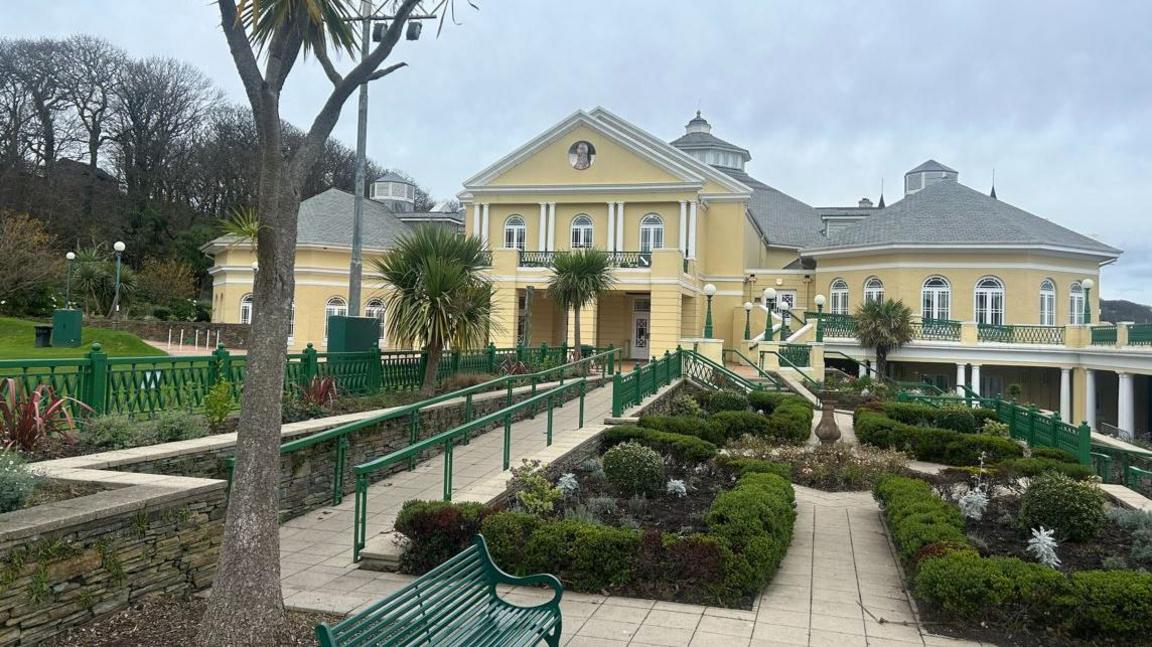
point(436, 296)
point(884, 326)
point(578, 279)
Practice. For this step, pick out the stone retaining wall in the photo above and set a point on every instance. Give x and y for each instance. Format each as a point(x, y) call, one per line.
point(231, 335)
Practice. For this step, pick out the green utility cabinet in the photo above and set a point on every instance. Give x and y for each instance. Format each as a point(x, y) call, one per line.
point(352, 334)
point(66, 328)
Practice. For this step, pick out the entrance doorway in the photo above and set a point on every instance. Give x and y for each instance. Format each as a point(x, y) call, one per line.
point(641, 327)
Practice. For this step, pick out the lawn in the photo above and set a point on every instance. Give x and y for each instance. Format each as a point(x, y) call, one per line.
point(17, 337)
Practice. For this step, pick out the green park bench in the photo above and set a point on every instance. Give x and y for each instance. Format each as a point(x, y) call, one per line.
point(454, 604)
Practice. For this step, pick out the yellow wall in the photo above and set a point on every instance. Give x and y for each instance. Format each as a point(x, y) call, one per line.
point(611, 163)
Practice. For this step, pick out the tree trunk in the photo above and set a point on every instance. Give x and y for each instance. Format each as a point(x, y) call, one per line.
point(576, 327)
point(881, 363)
point(435, 352)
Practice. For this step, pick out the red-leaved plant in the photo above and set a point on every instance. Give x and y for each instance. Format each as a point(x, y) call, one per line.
point(321, 392)
point(28, 418)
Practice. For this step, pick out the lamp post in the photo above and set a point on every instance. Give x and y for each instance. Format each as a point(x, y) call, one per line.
point(1088, 284)
point(747, 320)
point(118, 247)
point(820, 300)
point(71, 256)
point(770, 303)
point(709, 291)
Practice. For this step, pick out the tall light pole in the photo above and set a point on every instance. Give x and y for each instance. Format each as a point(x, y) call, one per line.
point(356, 266)
point(71, 256)
point(770, 303)
point(709, 291)
point(117, 247)
point(1088, 284)
point(747, 320)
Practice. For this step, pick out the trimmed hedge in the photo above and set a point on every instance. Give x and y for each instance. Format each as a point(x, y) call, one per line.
point(723, 400)
point(950, 576)
point(931, 444)
point(791, 421)
point(749, 529)
point(686, 425)
point(734, 424)
point(1035, 466)
point(743, 465)
point(438, 530)
point(683, 449)
point(963, 420)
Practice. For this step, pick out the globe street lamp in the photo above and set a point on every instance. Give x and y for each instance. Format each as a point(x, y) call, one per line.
point(709, 291)
point(118, 247)
point(71, 256)
point(770, 303)
point(820, 300)
point(747, 320)
point(1088, 284)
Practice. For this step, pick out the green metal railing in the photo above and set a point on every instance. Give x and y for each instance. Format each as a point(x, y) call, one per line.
point(642, 260)
point(937, 329)
point(1014, 334)
point(630, 389)
point(798, 355)
point(813, 385)
point(1140, 335)
point(709, 374)
point(447, 440)
point(836, 326)
point(603, 363)
point(734, 356)
point(929, 388)
point(1104, 335)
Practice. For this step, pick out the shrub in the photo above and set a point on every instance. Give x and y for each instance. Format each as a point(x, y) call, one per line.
point(686, 450)
point(724, 400)
point(840, 467)
point(172, 426)
point(991, 588)
point(1073, 508)
point(1115, 604)
point(910, 413)
point(931, 444)
point(506, 534)
point(585, 556)
point(741, 466)
point(17, 481)
point(995, 428)
point(438, 530)
point(532, 489)
point(1138, 524)
point(218, 404)
point(1061, 455)
point(984, 414)
point(687, 426)
point(791, 421)
point(916, 516)
point(754, 521)
point(110, 432)
point(956, 419)
point(27, 418)
point(685, 405)
point(463, 380)
point(633, 469)
point(320, 391)
point(735, 424)
point(1034, 466)
point(766, 401)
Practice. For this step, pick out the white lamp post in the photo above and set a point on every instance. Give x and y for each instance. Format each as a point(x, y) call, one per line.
point(709, 291)
point(118, 247)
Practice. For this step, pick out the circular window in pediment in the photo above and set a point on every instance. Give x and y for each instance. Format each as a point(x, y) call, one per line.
point(581, 155)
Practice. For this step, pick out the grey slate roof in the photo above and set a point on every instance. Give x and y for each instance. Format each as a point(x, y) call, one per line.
point(784, 220)
point(326, 219)
point(931, 165)
point(393, 177)
point(951, 213)
point(692, 141)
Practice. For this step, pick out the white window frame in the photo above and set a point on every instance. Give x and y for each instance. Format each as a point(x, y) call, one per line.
point(335, 307)
point(838, 297)
point(873, 289)
point(988, 301)
point(246, 304)
point(581, 232)
point(1047, 302)
point(936, 300)
point(515, 232)
point(1076, 303)
point(651, 232)
point(375, 308)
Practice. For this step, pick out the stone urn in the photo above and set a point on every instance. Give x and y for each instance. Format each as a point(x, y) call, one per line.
point(827, 431)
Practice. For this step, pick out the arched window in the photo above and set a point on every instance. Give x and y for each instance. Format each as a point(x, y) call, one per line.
point(839, 293)
point(1076, 303)
point(515, 233)
point(936, 298)
point(990, 301)
point(375, 308)
point(246, 309)
point(873, 290)
point(581, 232)
point(1047, 303)
point(336, 307)
point(651, 233)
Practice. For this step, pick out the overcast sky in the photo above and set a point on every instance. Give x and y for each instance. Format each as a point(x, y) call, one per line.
point(830, 97)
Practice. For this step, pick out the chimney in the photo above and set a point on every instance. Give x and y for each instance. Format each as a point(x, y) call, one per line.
point(865, 203)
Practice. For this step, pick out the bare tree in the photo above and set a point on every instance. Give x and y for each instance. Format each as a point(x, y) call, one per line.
point(90, 68)
point(246, 607)
point(35, 67)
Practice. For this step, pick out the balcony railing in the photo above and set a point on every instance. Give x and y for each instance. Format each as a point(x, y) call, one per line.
point(1104, 336)
point(836, 326)
point(1140, 335)
point(486, 259)
point(799, 355)
point(624, 260)
point(1015, 334)
point(937, 329)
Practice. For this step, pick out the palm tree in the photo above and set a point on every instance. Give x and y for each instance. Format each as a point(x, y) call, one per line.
point(436, 295)
point(95, 279)
point(578, 279)
point(884, 326)
point(243, 225)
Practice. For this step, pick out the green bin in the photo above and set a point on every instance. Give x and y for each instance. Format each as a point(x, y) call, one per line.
point(66, 328)
point(352, 334)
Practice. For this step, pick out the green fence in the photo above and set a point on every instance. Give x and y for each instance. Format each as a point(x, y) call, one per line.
point(1014, 334)
point(837, 326)
point(798, 355)
point(733, 356)
point(630, 389)
point(936, 330)
point(1140, 335)
point(1104, 335)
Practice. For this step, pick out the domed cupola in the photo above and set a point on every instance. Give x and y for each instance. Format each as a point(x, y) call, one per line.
point(395, 191)
point(929, 172)
point(699, 142)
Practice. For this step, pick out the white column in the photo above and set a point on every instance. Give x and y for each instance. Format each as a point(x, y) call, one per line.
point(683, 244)
point(551, 240)
point(1090, 397)
point(960, 375)
point(1066, 394)
point(543, 227)
point(692, 229)
point(861, 368)
point(476, 210)
point(1126, 413)
point(619, 227)
point(975, 385)
point(611, 227)
point(484, 225)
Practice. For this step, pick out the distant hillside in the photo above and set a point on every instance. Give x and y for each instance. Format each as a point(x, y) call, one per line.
point(1124, 311)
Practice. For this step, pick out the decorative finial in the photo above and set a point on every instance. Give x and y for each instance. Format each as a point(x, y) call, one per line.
point(880, 205)
point(697, 114)
point(993, 192)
